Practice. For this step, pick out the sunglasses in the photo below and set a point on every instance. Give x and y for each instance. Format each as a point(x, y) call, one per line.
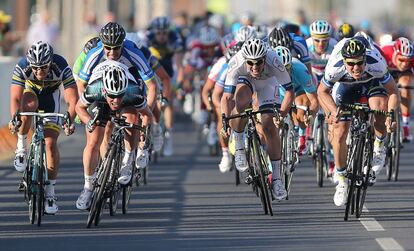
point(114, 96)
point(114, 48)
point(353, 63)
point(255, 62)
point(42, 67)
point(320, 40)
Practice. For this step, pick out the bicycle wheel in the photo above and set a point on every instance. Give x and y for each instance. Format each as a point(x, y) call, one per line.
point(290, 153)
point(320, 157)
point(260, 167)
point(127, 191)
point(364, 174)
point(99, 190)
point(115, 191)
point(40, 195)
point(285, 152)
point(354, 162)
point(29, 194)
point(395, 156)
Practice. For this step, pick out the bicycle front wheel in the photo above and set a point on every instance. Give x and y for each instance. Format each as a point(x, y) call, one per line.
point(40, 192)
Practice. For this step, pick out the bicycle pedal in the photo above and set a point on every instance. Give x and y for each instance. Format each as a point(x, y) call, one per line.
point(21, 186)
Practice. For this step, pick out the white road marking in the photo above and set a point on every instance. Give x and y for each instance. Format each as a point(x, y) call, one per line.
point(389, 244)
point(371, 224)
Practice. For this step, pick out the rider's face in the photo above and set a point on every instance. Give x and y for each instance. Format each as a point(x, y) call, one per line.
point(161, 36)
point(115, 102)
point(355, 66)
point(255, 67)
point(320, 44)
point(403, 63)
point(40, 72)
point(113, 52)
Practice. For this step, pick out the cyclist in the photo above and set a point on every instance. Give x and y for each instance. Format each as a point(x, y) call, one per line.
point(255, 70)
point(400, 59)
point(305, 93)
point(356, 72)
point(167, 46)
point(112, 47)
point(35, 86)
point(295, 43)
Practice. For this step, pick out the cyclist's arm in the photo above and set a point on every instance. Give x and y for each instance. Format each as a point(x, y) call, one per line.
point(287, 102)
point(147, 116)
point(152, 92)
point(207, 88)
point(81, 84)
point(314, 105)
point(81, 110)
point(165, 80)
point(71, 97)
point(178, 58)
point(325, 99)
point(393, 94)
point(16, 93)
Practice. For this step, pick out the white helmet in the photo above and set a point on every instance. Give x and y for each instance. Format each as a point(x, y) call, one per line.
point(254, 49)
point(208, 36)
point(284, 55)
point(245, 33)
point(115, 80)
point(321, 28)
point(39, 54)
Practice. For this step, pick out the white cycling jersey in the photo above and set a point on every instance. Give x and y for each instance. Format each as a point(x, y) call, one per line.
point(216, 69)
point(335, 71)
point(267, 85)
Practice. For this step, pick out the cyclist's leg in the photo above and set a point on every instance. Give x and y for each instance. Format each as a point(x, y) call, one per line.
point(52, 161)
point(405, 81)
point(299, 120)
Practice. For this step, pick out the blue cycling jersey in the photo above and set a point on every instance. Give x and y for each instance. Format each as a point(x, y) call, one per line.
point(131, 56)
point(301, 79)
point(300, 48)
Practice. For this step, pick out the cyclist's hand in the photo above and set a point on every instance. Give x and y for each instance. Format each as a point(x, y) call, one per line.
point(307, 120)
point(333, 117)
point(90, 126)
point(69, 129)
point(14, 125)
point(391, 126)
point(225, 134)
point(278, 121)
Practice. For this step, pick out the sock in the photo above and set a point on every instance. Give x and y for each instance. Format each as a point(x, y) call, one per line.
point(225, 151)
point(341, 171)
point(50, 189)
point(89, 179)
point(275, 169)
point(238, 138)
point(127, 157)
point(379, 141)
point(406, 119)
point(302, 131)
point(21, 141)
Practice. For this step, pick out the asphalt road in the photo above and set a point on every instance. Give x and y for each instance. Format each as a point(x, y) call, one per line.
point(189, 205)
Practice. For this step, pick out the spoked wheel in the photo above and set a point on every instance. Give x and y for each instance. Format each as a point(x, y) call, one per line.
point(32, 207)
point(113, 200)
point(39, 203)
point(320, 159)
point(126, 196)
point(355, 162)
point(261, 166)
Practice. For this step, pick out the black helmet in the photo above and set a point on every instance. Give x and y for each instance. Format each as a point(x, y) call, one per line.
point(345, 30)
point(91, 44)
point(40, 53)
point(353, 48)
point(112, 34)
point(160, 23)
point(279, 36)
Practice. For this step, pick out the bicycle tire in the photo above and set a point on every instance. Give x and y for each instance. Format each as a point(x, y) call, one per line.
point(99, 190)
point(40, 195)
point(356, 161)
point(396, 151)
point(115, 187)
point(127, 190)
point(284, 156)
point(29, 195)
point(319, 160)
point(263, 185)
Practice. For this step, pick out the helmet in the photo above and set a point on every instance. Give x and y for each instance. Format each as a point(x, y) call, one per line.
point(254, 49)
point(284, 55)
point(404, 47)
point(115, 80)
point(112, 34)
point(91, 44)
point(353, 48)
point(209, 36)
point(40, 54)
point(160, 23)
point(279, 36)
point(245, 33)
point(320, 28)
point(217, 21)
point(345, 30)
point(227, 44)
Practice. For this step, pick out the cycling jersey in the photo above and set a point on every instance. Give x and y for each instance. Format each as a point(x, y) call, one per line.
point(301, 79)
point(197, 56)
point(165, 52)
point(94, 92)
point(131, 56)
point(77, 66)
point(335, 69)
point(300, 48)
point(266, 86)
point(216, 69)
point(319, 61)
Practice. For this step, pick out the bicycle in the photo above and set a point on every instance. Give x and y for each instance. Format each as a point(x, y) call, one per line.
point(106, 185)
point(394, 145)
point(35, 177)
point(359, 156)
point(320, 148)
point(256, 156)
